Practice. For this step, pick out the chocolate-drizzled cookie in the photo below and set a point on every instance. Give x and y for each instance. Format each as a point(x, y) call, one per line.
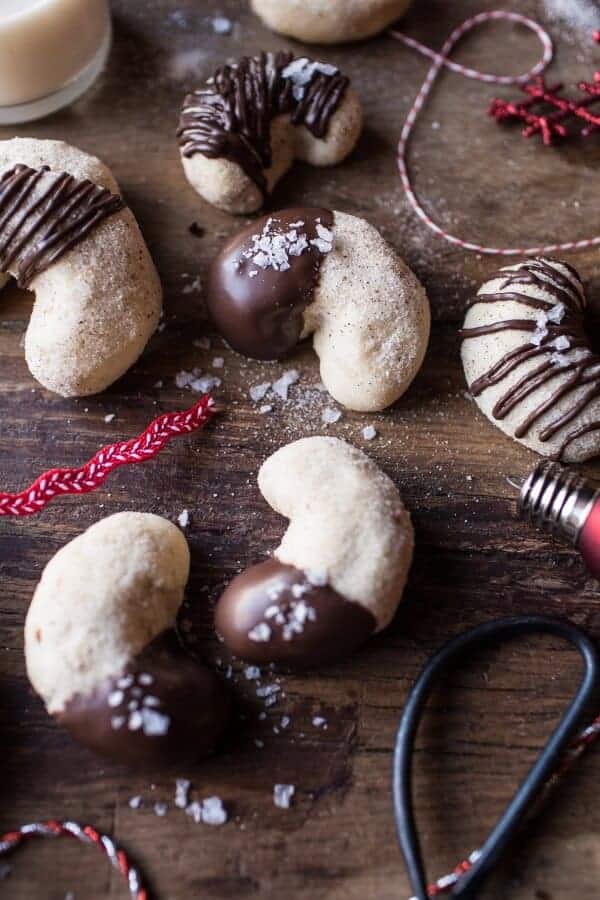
point(45, 214)
point(102, 651)
point(339, 573)
point(67, 235)
point(253, 117)
point(528, 359)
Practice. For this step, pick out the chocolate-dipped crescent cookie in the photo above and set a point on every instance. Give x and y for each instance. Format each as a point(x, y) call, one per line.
point(102, 651)
point(67, 235)
point(339, 572)
point(329, 21)
point(528, 360)
point(304, 271)
point(241, 132)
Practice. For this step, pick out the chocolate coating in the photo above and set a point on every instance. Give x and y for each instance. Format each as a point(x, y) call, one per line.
point(258, 310)
point(271, 613)
point(163, 709)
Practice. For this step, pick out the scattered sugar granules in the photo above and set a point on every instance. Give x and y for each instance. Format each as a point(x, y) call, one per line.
point(283, 794)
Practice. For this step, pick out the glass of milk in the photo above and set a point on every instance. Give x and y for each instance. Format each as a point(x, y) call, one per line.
point(51, 51)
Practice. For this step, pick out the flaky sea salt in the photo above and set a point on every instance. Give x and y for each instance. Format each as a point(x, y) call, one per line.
point(259, 391)
point(109, 418)
point(319, 721)
point(183, 519)
point(194, 810)
point(252, 673)
point(154, 723)
point(182, 790)
point(222, 25)
point(218, 362)
point(261, 633)
point(282, 385)
point(160, 808)
point(369, 433)
point(115, 698)
point(213, 811)
point(283, 794)
point(135, 802)
point(330, 415)
point(301, 72)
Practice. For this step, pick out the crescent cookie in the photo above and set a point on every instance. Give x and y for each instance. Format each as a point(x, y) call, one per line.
point(339, 572)
point(240, 133)
point(528, 360)
point(310, 271)
point(102, 651)
point(329, 21)
point(67, 235)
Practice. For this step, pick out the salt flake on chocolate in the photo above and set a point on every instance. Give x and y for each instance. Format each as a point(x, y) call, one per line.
point(153, 722)
point(301, 72)
point(261, 633)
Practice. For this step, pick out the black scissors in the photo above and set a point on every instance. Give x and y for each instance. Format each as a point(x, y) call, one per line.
point(586, 700)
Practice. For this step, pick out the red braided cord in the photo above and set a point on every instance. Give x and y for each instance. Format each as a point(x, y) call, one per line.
point(57, 482)
point(584, 740)
point(87, 835)
point(439, 61)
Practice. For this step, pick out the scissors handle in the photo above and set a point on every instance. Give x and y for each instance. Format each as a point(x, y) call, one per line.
point(470, 883)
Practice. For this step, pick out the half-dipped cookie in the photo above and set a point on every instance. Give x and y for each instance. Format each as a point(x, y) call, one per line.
point(311, 271)
point(241, 132)
point(102, 650)
point(339, 572)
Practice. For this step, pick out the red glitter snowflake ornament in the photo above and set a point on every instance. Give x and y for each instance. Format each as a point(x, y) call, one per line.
point(547, 113)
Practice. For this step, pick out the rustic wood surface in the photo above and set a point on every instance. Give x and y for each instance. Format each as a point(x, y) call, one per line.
point(473, 560)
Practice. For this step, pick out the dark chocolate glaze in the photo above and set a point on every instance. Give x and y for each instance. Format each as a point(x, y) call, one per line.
point(586, 371)
point(260, 314)
point(43, 215)
point(182, 698)
point(231, 117)
point(331, 627)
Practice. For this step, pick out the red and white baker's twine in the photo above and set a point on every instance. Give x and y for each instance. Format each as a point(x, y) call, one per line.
point(118, 858)
point(58, 482)
point(440, 60)
point(87, 835)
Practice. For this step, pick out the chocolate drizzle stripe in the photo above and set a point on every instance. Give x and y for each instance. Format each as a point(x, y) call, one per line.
point(43, 215)
point(231, 118)
point(575, 373)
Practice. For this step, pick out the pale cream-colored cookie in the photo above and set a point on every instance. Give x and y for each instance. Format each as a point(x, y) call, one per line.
point(370, 318)
point(329, 21)
point(96, 304)
point(102, 651)
point(528, 360)
point(310, 271)
point(233, 153)
point(339, 572)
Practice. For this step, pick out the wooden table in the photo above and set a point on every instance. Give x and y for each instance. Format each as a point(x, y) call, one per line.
point(473, 560)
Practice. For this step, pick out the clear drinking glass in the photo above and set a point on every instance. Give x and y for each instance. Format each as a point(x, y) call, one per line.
point(51, 51)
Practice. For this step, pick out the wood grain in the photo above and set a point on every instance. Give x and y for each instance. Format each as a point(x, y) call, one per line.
point(473, 561)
